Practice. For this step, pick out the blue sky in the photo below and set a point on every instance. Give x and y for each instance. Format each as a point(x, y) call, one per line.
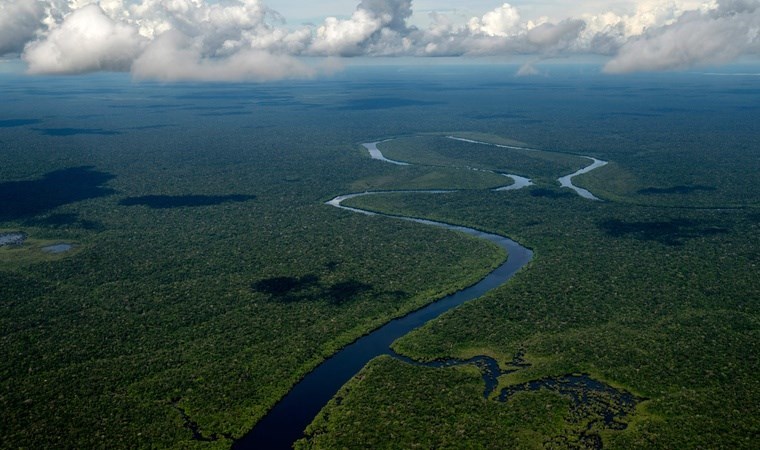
point(298, 11)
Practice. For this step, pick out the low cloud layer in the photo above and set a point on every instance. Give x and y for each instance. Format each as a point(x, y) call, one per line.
point(714, 36)
point(246, 40)
point(174, 56)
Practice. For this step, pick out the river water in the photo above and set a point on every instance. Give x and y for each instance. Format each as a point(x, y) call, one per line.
point(285, 423)
point(567, 180)
point(520, 182)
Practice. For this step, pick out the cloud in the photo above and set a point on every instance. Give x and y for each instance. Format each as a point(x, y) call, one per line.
point(86, 41)
point(246, 40)
point(549, 35)
point(501, 21)
point(173, 57)
point(345, 37)
point(498, 32)
point(19, 22)
point(377, 27)
point(708, 37)
point(392, 12)
point(527, 69)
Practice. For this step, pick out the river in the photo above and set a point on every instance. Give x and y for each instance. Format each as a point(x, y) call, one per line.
point(285, 423)
point(567, 180)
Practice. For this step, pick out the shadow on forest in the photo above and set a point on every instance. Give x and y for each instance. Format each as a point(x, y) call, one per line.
point(75, 131)
point(310, 287)
point(676, 190)
point(147, 127)
point(629, 114)
point(550, 193)
point(226, 113)
point(282, 286)
point(367, 104)
point(64, 221)
point(672, 232)
point(494, 116)
point(10, 123)
point(21, 199)
point(180, 201)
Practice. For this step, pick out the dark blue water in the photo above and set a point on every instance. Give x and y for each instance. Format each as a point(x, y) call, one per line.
point(286, 422)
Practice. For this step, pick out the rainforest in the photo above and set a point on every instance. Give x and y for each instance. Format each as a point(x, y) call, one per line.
point(176, 259)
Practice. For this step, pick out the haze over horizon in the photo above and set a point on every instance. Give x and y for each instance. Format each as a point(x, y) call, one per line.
point(256, 40)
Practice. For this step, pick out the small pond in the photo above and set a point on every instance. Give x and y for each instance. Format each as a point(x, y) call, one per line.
point(57, 248)
point(12, 238)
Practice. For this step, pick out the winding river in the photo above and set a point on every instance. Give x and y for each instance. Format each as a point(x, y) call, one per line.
point(518, 181)
point(472, 141)
point(286, 421)
point(375, 153)
point(565, 182)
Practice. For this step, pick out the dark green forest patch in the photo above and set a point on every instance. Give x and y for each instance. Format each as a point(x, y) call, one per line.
point(64, 220)
point(670, 232)
point(181, 201)
point(76, 131)
point(312, 288)
point(676, 190)
point(551, 193)
point(368, 104)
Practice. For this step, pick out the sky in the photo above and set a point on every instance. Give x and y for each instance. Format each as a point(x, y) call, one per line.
point(263, 40)
point(299, 11)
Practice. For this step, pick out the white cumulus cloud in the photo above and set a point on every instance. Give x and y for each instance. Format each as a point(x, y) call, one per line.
point(345, 37)
point(501, 21)
point(377, 27)
point(246, 40)
point(87, 40)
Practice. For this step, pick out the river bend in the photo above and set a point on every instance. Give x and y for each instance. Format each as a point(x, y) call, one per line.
point(565, 182)
point(286, 421)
